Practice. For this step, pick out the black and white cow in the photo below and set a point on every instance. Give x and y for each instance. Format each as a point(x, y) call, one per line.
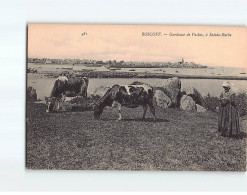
point(131, 96)
point(66, 86)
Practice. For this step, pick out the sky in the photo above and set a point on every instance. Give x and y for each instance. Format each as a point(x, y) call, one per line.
point(125, 42)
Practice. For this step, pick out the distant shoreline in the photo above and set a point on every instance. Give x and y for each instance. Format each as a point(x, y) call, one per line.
point(114, 74)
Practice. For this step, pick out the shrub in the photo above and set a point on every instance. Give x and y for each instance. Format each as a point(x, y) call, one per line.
point(241, 102)
point(210, 102)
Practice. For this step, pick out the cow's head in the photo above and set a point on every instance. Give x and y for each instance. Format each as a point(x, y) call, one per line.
point(50, 103)
point(98, 110)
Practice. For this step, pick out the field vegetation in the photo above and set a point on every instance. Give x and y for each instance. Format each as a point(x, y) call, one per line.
point(179, 140)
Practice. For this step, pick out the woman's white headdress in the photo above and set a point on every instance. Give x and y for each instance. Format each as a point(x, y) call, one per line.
point(234, 87)
point(226, 84)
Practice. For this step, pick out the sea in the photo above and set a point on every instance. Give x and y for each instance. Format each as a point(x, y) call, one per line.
point(43, 85)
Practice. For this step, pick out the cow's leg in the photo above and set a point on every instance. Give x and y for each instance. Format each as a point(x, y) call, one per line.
point(58, 105)
point(85, 96)
point(61, 102)
point(83, 93)
point(145, 107)
point(119, 112)
point(151, 106)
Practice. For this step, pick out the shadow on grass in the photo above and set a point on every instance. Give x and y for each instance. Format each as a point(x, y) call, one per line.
point(78, 109)
point(242, 135)
point(74, 109)
point(158, 120)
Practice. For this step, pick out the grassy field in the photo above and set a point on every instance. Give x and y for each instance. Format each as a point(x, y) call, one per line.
point(179, 140)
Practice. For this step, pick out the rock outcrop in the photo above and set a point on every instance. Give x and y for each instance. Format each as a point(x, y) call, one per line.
point(194, 93)
point(99, 92)
point(171, 87)
point(77, 103)
point(200, 108)
point(31, 94)
point(187, 103)
point(161, 99)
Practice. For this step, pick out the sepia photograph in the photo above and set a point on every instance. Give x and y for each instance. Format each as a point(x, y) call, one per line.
point(136, 97)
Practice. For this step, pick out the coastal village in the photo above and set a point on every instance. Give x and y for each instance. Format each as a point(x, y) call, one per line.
point(127, 69)
point(114, 63)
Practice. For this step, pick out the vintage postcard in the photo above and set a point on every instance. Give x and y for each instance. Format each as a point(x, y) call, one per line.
point(136, 97)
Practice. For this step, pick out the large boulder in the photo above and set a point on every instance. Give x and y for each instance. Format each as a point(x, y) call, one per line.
point(192, 92)
point(161, 99)
point(99, 92)
point(171, 87)
point(199, 108)
point(31, 94)
point(77, 103)
point(75, 100)
point(187, 103)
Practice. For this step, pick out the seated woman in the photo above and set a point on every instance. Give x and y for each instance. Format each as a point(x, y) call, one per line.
point(228, 119)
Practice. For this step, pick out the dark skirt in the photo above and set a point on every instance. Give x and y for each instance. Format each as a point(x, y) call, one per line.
point(228, 121)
